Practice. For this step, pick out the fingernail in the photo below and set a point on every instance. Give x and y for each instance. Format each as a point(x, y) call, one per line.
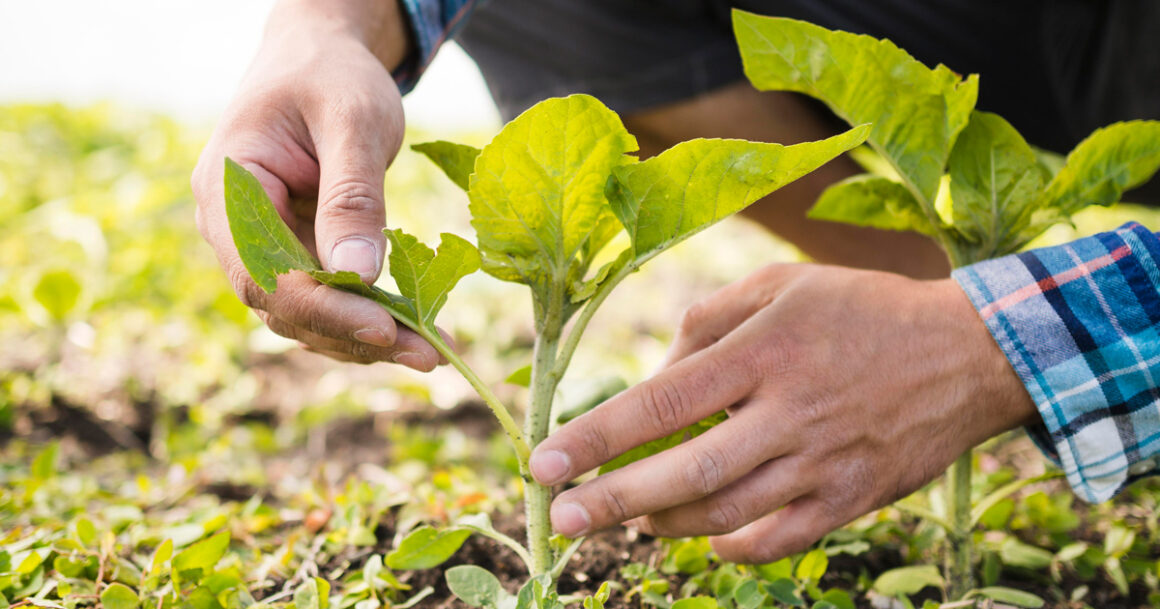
point(409, 359)
point(373, 336)
point(570, 519)
point(550, 466)
point(357, 255)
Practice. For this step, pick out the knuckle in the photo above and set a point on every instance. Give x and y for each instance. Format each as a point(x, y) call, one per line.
point(758, 550)
point(724, 516)
point(351, 197)
point(706, 470)
point(247, 291)
point(613, 504)
point(594, 442)
point(665, 404)
point(694, 317)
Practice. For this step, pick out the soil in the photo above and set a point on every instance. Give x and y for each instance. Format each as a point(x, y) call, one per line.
point(600, 558)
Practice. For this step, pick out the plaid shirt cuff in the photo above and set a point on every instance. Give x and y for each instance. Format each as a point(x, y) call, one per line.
point(432, 22)
point(1080, 323)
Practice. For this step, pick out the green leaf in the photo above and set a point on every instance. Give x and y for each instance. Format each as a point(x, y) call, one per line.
point(119, 596)
point(203, 554)
point(596, 601)
point(44, 463)
point(695, 184)
point(875, 201)
point(521, 377)
point(477, 587)
point(917, 112)
point(838, 598)
point(426, 547)
point(908, 580)
point(784, 591)
point(696, 602)
point(1010, 596)
point(537, 195)
point(813, 565)
point(267, 246)
point(426, 277)
point(456, 160)
point(163, 553)
point(1111, 160)
point(1018, 554)
point(58, 292)
point(313, 593)
point(649, 449)
point(996, 180)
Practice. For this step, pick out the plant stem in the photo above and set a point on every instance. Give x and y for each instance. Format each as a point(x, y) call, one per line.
point(960, 573)
point(545, 378)
point(497, 408)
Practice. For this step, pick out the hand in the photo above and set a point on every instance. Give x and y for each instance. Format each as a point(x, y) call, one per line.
point(846, 390)
point(317, 119)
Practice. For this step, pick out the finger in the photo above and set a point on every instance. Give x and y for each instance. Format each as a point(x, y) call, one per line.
point(674, 399)
point(408, 348)
point(680, 475)
point(355, 144)
point(768, 487)
point(710, 320)
point(787, 531)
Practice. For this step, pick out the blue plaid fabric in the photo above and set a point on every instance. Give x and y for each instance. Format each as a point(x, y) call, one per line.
point(1080, 323)
point(433, 22)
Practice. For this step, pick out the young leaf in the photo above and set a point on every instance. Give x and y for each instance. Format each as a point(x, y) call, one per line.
point(119, 596)
point(425, 277)
point(537, 194)
point(426, 547)
point(908, 580)
point(917, 112)
point(875, 201)
point(203, 554)
point(478, 587)
point(1111, 160)
point(996, 181)
point(689, 187)
point(267, 246)
point(456, 160)
point(58, 292)
point(1011, 596)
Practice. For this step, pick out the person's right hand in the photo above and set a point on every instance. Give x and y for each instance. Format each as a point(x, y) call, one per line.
point(317, 119)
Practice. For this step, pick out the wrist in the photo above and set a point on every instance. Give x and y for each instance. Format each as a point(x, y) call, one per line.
point(996, 399)
point(378, 25)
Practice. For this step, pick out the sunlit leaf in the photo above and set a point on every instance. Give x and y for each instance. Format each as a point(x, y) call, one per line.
point(426, 547)
point(456, 160)
point(917, 112)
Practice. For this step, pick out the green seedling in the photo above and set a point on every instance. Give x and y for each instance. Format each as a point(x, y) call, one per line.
point(1002, 193)
point(547, 195)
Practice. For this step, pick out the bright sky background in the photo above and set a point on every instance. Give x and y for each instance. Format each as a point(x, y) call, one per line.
point(183, 58)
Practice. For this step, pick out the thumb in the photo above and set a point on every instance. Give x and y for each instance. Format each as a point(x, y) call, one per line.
point(351, 213)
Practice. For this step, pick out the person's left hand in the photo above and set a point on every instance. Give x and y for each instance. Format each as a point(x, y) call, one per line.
point(846, 390)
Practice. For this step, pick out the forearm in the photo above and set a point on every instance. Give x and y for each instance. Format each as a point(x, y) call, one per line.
point(380, 25)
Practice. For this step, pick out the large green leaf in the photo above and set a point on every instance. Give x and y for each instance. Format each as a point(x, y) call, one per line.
point(996, 179)
point(917, 112)
point(695, 184)
point(119, 596)
point(875, 201)
point(537, 194)
point(456, 160)
point(426, 277)
point(1111, 160)
point(427, 547)
point(266, 245)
